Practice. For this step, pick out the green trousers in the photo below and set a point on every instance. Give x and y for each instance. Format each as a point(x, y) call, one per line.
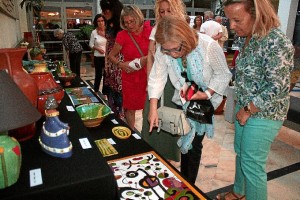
point(252, 143)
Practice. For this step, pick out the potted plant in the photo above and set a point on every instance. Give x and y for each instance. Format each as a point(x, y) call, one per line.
point(85, 34)
point(33, 5)
point(36, 53)
point(36, 7)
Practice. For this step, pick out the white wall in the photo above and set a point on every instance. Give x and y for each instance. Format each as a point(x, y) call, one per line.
point(287, 11)
point(11, 30)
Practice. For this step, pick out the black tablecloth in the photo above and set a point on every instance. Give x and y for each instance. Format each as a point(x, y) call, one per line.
point(130, 146)
point(85, 175)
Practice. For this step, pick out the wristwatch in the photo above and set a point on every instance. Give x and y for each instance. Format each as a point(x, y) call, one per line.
point(247, 109)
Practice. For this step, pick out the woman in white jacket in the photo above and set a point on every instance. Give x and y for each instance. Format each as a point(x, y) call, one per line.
point(184, 53)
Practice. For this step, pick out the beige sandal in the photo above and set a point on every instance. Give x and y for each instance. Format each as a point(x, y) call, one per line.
point(222, 196)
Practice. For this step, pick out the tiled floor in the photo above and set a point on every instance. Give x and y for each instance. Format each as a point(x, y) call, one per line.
point(216, 172)
point(218, 162)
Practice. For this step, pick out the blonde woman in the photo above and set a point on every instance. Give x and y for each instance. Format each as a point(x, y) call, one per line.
point(262, 80)
point(183, 53)
point(163, 8)
point(134, 81)
point(164, 143)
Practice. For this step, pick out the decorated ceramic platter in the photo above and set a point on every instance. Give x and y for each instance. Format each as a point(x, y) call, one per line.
point(121, 132)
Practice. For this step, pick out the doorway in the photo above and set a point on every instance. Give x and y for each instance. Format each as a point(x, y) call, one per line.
point(72, 17)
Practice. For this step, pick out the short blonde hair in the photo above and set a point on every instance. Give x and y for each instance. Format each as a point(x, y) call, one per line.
point(177, 7)
point(134, 12)
point(262, 11)
point(175, 29)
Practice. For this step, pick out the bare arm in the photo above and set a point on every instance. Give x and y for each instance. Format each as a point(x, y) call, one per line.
point(150, 57)
point(113, 57)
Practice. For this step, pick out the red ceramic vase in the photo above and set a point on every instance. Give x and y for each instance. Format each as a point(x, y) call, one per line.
point(47, 86)
point(11, 60)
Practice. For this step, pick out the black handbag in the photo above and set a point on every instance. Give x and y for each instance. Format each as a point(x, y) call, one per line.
point(200, 110)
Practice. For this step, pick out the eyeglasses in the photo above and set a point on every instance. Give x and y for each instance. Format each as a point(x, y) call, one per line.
point(100, 21)
point(129, 22)
point(169, 51)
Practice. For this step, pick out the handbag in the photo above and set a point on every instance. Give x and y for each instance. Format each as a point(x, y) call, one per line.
point(200, 110)
point(173, 121)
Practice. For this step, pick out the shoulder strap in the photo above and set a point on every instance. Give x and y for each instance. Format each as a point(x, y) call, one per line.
point(136, 44)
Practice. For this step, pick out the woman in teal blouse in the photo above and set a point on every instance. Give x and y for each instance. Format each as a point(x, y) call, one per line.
point(262, 87)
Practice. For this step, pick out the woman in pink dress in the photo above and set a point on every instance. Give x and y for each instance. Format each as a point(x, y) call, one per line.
point(134, 71)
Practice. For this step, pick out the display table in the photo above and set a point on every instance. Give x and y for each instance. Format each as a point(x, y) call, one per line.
point(86, 174)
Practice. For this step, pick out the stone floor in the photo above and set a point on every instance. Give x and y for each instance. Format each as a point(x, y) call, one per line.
point(216, 172)
point(218, 163)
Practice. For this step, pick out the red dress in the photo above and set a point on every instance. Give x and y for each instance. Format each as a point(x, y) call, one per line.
point(134, 84)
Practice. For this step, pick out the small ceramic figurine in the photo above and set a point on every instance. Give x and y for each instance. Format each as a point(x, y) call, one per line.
point(54, 135)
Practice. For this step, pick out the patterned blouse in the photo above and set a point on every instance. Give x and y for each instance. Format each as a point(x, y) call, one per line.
point(263, 74)
point(71, 43)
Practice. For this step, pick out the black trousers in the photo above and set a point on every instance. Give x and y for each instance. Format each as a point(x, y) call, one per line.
point(99, 63)
point(75, 59)
point(190, 161)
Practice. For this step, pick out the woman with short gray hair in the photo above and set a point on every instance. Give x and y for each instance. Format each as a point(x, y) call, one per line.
point(72, 46)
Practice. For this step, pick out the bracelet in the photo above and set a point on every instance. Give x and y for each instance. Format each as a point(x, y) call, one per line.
point(208, 94)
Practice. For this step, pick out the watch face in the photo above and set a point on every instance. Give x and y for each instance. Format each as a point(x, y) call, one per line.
point(246, 109)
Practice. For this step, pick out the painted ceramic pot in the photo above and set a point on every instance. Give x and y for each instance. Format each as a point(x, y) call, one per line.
point(10, 160)
point(40, 67)
point(66, 79)
point(47, 86)
point(11, 60)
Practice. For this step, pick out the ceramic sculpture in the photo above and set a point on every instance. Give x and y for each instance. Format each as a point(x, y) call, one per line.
point(54, 135)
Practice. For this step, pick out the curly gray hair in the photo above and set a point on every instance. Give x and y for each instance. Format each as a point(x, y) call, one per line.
point(58, 32)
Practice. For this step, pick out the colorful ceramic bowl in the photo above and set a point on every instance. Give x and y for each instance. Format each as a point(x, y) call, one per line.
point(93, 114)
point(121, 132)
point(66, 78)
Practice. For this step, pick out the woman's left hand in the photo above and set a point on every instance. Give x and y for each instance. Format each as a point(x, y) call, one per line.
point(242, 116)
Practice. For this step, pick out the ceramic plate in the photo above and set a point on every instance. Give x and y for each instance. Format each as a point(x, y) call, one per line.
point(121, 132)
